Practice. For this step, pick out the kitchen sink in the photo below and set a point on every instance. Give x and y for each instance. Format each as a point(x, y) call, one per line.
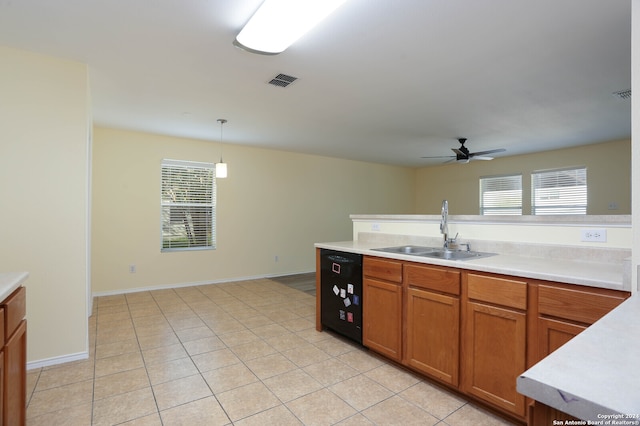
point(435, 252)
point(456, 254)
point(414, 250)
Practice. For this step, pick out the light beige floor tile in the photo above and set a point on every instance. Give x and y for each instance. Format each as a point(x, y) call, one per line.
point(247, 400)
point(149, 320)
point(117, 299)
point(207, 344)
point(57, 398)
point(291, 385)
point(257, 320)
point(139, 297)
point(361, 392)
point(215, 359)
point(397, 411)
point(32, 380)
point(285, 342)
point(158, 328)
point(225, 326)
point(356, 420)
point(144, 310)
point(330, 371)
point(163, 354)
point(150, 420)
point(65, 374)
point(113, 318)
point(311, 335)
point(320, 408)
point(226, 378)
point(238, 338)
point(118, 363)
point(270, 365)
point(181, 391)
point(299, 324)
point(203, 412)
point(171, 370)
point(306, 355)
point(124, 407)
point(117, 335)
point(253, 350)
point(278, 415)
point(152, 341)
point(117, 348)
point(335, 346)
point(107, 310)
point(79, 415)
point(469, 415)
point(361, 360)
point(191, 321)
point(433, 399)
point(270, 330)
point(189, 334)
point(115, 384)
point(393, 378)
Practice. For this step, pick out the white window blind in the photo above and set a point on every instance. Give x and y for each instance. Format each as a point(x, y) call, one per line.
point(188, 203)
point(501, 195)
point(562, 191)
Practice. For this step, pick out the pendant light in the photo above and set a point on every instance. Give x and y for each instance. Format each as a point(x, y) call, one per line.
point(221, 167)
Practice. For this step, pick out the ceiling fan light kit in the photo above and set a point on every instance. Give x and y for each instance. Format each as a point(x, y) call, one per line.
point(279, 23)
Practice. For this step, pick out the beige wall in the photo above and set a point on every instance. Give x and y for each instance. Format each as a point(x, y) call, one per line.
point(608, 178)
point(44, 146)
point(272, 204)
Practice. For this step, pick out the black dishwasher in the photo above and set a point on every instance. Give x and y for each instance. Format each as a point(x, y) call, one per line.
point(341, 292)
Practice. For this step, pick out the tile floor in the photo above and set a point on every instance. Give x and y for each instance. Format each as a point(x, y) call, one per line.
point(244, 353)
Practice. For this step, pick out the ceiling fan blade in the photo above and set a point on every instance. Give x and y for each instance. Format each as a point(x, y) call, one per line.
point(459, 152)
point(450, 161)
point(491, 151)
point(481, 157)
point(442, 156)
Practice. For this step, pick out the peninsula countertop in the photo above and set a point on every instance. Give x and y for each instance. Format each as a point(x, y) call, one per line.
point(10, 281)
point(592, 376)
point(581, 272)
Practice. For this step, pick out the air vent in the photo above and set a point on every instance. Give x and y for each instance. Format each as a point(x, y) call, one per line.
point(623, 94)
point(282, 80)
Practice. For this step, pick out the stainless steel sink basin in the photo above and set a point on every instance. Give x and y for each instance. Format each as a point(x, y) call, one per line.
point(456, 254)
point(414, 250)
point(435, 252)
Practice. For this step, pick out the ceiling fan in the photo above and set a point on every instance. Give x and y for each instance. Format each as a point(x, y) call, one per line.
point(464, 156)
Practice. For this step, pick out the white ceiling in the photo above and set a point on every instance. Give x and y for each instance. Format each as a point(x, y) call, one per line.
point(380, 80)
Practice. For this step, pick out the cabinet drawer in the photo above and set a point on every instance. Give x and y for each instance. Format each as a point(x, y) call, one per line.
point(500, 291)
point(381, 268)
point(14, 310)
point(432, 278)
point(576, 304)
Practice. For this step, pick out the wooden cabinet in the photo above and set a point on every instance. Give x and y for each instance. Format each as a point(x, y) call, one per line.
point(14, 363)
point(564, 312)
point(494, 339)
point(433, 321)
point(382, 306)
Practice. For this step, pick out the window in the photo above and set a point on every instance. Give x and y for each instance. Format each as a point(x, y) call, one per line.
point(501, 195)
point(562, 191)
point(188, 203)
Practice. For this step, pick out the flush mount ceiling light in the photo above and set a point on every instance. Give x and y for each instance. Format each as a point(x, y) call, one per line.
point(221, 167)
point(279, 23)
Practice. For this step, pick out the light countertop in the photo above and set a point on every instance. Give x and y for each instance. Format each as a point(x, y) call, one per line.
point(589, 273)
point(10, 281)
point(595, 373)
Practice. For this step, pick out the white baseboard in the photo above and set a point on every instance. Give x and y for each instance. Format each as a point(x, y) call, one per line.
point(57, 360)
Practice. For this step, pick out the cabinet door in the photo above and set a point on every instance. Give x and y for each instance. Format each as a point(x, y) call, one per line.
point(494, 355)
point(382, 317)
point(15, 391)
point(433, 333)
point(554, 333)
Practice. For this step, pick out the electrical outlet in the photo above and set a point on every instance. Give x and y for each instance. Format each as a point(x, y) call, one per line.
point(132, 269)
point(276, 258)
point(375, 226)
point(593, 235)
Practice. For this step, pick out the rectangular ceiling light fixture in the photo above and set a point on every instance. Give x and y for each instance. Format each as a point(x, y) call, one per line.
point(279, 23)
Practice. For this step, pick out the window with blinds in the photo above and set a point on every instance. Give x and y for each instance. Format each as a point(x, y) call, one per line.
point(501, 195)
point(561, 191)
point(188, 203)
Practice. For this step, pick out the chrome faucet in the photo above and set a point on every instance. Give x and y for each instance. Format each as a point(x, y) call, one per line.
point(444, 228)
